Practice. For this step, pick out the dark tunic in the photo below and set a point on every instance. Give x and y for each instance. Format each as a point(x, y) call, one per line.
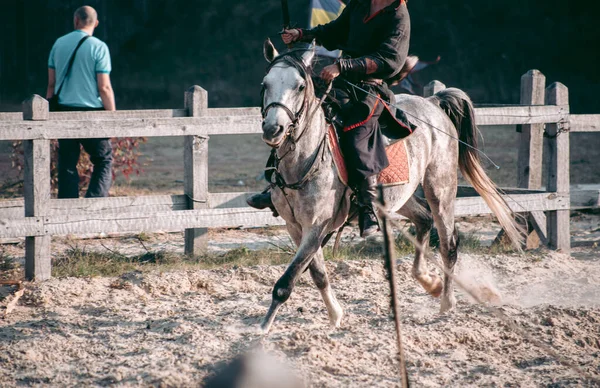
point(375, 49)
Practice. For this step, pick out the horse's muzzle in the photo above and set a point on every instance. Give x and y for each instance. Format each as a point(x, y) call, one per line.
point(273, 135)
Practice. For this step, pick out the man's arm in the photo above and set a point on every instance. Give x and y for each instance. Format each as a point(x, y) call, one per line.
point(106, 91)
point(51, 83)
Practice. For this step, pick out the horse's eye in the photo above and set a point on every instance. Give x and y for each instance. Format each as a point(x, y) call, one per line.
point(301, 87)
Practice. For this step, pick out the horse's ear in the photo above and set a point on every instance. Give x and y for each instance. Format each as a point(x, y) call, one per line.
point(309, 55)
point(269, 51)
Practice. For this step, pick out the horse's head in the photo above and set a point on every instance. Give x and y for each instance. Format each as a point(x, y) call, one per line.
point(285, 92)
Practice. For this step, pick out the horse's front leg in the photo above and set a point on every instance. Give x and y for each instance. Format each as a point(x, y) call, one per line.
point(318, 272)
point(309, 245)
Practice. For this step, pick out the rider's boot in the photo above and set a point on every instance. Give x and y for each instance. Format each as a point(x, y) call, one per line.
point(367, 194)
point(262, 201)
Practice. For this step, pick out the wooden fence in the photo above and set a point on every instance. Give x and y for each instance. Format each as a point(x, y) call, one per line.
point(37, 217)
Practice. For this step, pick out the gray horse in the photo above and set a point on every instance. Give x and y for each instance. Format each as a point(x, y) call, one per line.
point(318, 203)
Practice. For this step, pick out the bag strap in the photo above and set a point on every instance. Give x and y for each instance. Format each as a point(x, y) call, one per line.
point(71, 64)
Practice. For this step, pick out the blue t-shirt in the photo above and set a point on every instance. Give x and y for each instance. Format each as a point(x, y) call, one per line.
point(81, 87)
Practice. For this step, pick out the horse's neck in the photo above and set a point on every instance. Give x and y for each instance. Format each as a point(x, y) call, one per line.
point(300, 155)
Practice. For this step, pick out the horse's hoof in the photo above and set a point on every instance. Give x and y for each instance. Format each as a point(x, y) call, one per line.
point(436, 287)
point(447, 305)
point(336, 320)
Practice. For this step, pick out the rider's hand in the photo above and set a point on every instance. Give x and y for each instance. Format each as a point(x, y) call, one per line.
point(329, 73)
point(290, 36)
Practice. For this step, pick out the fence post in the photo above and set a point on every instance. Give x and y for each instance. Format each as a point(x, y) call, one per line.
point(530, 156)
point(533, 84)
point(432, 88)
point(558, 221)
point(37, 191)
point(195, 162)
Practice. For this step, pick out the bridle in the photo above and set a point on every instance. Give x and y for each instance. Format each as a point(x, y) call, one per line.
point(304, 71)
point(295, 118)
point(320, 153)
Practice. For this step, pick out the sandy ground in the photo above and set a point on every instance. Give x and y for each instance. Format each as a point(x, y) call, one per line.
point(176, 328)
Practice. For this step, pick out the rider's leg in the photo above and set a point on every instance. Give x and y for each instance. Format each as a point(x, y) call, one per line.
point(364, 151)
point(367, 195)
point(263, 200)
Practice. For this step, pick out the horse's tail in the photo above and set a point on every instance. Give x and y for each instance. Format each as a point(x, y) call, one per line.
point(459, 108)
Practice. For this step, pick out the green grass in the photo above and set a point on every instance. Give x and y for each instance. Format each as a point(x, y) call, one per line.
point(80, 263)
point(77, 262)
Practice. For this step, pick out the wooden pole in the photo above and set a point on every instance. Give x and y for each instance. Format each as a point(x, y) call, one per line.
point(533, 84)
point(558, 222)
point(195, 161)
point(432, 88)
point(529, 170)
point(37, 191)
point(390, 264)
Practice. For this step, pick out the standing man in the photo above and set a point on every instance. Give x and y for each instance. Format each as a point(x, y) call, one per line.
point(86, 87)
point(374, 37)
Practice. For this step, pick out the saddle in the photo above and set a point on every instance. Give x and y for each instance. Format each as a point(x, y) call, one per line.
point(397, 173)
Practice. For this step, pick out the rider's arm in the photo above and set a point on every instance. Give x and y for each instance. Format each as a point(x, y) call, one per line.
point(330, 35)
point(387, 58)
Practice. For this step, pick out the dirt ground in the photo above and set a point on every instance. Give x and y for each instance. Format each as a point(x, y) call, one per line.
point(173, 329)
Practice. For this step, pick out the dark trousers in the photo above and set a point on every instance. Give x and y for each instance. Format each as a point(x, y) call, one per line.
point(361, 140)
point(100, 151)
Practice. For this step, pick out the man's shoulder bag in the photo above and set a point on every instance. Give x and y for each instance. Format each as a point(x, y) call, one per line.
point(53, 101)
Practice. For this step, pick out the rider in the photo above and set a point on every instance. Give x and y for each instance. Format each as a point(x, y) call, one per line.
point(374, 36)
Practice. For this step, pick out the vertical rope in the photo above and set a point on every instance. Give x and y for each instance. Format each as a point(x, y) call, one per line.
point(391, 269)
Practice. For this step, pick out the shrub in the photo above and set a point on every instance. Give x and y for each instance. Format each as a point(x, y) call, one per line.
point(125, 160)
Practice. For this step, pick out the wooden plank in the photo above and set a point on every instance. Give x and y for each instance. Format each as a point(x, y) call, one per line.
point(132, 114)
point(584, 123)
point(216, 218)
point(21, 227)
point(469, 191)
point(36, 191)
point(35, 108)
point(220, 112)
point(228, 200)
point(119, 114)
point(529, 170)
point(11, 116)
point(559, 228)
point(432, 88)
point(580, 199)
point(585, 199)
point(195, 162)
point(138, 222)
point(120, 205)
point(519, 203)
point(538, 221)
point(182, 126)
point(513, 115)
point(249, 122)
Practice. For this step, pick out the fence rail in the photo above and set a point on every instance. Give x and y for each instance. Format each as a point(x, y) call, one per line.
point(38, 217)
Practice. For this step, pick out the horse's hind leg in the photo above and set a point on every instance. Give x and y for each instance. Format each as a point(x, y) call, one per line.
point(318, 272)
point(440, 189)
point(417, 211)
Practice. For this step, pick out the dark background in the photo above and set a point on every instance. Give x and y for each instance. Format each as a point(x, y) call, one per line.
point(161, 47)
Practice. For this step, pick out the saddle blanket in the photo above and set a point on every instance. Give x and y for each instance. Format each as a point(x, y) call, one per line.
point(396, 173)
